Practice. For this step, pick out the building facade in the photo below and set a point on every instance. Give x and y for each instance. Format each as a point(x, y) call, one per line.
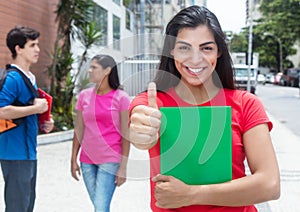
point(38, 15)
point(117, 30)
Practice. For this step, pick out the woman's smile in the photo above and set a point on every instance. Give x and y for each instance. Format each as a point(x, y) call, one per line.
point(194, 71)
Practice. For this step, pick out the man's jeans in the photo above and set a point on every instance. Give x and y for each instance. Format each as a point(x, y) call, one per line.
point(99, 180)
point(20, 182)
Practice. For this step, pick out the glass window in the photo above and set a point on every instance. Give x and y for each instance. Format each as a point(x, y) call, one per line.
point(128, 20)
point(100, 17)
point(242, 72)
point(116, 32)
point(117, 2)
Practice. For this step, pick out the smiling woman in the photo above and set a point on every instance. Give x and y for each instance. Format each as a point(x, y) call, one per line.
point(195, 70)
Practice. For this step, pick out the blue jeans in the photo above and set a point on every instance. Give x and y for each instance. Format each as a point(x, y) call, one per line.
point(19, 184)
point(99, 180)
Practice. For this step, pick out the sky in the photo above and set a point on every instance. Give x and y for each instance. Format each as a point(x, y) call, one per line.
point(230, 13)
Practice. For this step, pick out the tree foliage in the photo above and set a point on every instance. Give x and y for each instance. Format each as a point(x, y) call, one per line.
point(282, 17)
point(239, 43)
point(74, 22)
point(279, 22)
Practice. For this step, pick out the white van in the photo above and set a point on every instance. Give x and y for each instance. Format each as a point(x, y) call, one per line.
point(241, 77)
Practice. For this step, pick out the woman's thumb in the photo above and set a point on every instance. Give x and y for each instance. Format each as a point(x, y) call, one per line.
point(152, 95)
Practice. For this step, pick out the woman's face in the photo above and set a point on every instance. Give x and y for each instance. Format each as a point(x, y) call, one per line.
point(195, 54)
point(97, 73)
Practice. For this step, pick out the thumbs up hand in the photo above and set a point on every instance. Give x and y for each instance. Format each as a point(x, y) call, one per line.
point(145, 121)
point(152, 95)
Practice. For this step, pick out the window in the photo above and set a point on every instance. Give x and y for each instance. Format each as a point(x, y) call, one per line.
point(116, 32)
point(128, 20)
point(100, 17)
point(117, 2)
point(243, 72)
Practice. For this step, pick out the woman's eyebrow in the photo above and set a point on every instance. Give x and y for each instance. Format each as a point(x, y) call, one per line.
point(202, 44)
point(183, 42)
point(207, 43)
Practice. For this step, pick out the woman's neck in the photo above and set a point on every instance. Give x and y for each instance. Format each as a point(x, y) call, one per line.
point(196, 94)
point(103, 88)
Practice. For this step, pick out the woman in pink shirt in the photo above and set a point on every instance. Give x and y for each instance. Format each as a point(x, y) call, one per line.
point(101, 133)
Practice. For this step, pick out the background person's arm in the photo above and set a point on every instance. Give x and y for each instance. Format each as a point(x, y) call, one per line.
point(13, 112)
point(77, 138)
point(121, 174)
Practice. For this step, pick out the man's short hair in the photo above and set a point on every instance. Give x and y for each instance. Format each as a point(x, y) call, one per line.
point(18, 36)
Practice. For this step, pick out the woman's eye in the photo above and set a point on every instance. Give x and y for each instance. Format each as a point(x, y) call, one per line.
point(184, 48)
point(207, 48)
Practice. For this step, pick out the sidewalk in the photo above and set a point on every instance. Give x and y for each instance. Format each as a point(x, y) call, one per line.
point(287, 147)
point(57, 191)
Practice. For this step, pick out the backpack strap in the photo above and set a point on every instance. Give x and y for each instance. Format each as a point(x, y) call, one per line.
point(35, 93)
point(25, 78)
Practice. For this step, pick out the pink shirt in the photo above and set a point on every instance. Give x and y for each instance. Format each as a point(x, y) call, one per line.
point(101, 142)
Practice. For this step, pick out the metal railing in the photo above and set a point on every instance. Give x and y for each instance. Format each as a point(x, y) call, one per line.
point(136, 74)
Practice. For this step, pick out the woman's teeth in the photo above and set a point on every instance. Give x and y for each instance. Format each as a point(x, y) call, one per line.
point(195, 70)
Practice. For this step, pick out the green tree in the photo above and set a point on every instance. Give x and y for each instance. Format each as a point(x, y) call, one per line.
point(74, 22)
point(280, 18)
point(239, 42)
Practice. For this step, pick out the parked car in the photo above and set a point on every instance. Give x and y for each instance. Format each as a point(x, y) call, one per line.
point(261, 79)
point(277, 78)
point(241, 77)
point(270, 78)
point(290, 77)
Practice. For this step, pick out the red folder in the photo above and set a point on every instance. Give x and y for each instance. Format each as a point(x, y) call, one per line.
point(46, 115)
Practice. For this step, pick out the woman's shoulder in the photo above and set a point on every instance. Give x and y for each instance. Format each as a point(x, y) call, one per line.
point(239, 94)
point(243, 100)
point(87, 91)
point(121, 94)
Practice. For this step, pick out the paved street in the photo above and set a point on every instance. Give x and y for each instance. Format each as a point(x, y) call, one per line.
point(57, 191)
point(287, 147)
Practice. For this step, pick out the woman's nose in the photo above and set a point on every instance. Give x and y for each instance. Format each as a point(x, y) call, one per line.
point(197, 56)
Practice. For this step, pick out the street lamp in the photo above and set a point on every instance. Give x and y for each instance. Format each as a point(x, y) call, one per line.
point(250, 21)
point(280, 49)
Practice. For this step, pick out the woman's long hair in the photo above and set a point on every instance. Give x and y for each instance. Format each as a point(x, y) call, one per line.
point(107, 61)
point(191, 17)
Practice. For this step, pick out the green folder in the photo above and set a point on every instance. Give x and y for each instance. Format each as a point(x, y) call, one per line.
point(195, 144)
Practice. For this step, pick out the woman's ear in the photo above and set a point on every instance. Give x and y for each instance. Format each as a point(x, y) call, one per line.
point(172, 52)
point(219, 53)
point(107, 71)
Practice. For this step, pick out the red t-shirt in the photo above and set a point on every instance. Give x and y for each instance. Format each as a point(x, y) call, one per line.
point(247, 112)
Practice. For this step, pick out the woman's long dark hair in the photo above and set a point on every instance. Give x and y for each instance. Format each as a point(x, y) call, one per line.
point(191, 17)
point(107, 61)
